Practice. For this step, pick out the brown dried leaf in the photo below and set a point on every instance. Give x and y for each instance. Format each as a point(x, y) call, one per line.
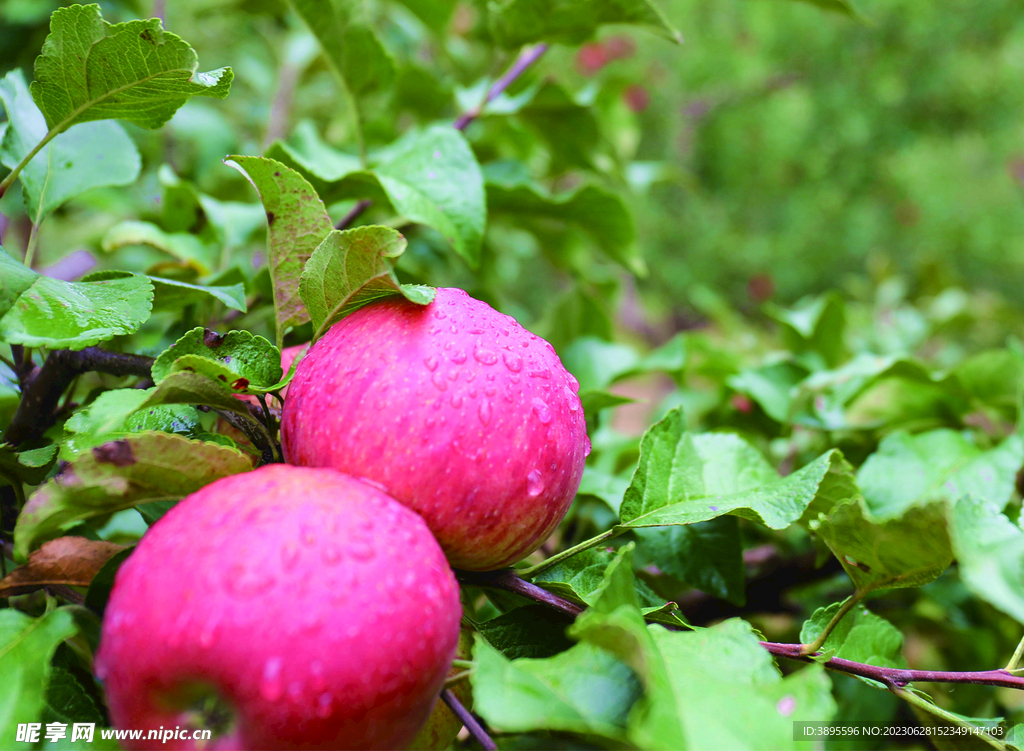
point(71, 561)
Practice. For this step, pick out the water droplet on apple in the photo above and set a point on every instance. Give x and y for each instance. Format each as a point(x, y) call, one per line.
point(431, 363)
point(457, 401)
point(439, 383)
point(459, 357)
point(512, 361)
point(270, 685)
point(484, 356)
point(361, 550)
point(484, 412)
point(544, 373)
point(289, 555)
point(330, 555)
point(316, 673)
point(541, 410)
point(324, 704)
point(534, 483)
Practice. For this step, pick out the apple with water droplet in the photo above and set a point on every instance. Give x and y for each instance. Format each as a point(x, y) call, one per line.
point(456, 410)
point(285, 607)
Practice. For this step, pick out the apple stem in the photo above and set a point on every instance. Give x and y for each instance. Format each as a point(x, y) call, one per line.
point(472, 724)
point(509, 581)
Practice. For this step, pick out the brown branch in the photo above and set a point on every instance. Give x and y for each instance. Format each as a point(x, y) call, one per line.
point(890, 677)
point(900, 677)
point(508, 581)
point(472, 724)
point(41, 394)
point(526, 58)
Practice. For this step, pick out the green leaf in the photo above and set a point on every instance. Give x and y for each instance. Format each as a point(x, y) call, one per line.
point(113, 415)
point(39, 311)
point(595, 401)
point(350, 269)
point(134, 71)
point(179, 245)
point(684, 478)
point(994, 377)
point(861, 636)
point(593, 209)
point(909, 470)
point(846, 7)
point(517, 22)
point(169, 294)
point(584, 577)
point(815, 327)
point(429, 176)
point(244, 362)
point(989, 549)
point(98, 593)
point(532, 631)
point(694, 681)
point(298, 223)
point(906, 551)
point(187, 387)
point(139, 468)
point(352, 48)
point(772, 386)
point(581, 690)
point(708, 555)
point(609, 488)
point(597, 363)
point(68, 701)
point(30, 467)
point(26, 648)
point(91, 156)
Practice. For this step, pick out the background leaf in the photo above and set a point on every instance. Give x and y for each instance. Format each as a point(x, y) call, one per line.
point(516, 22)
point(134, 71)
point(136, 469)
point(92, 156)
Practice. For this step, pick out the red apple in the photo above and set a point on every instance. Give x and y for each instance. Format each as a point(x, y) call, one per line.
point(456, 410)
point(310, 609)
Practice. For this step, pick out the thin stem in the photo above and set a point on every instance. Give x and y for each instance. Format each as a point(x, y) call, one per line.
point(899, 677)
point(532, 571)
point(30, 249)
point(472, 724)
point(508, 581)
point(526, 58)
point(920, 702)
point(846, 607)
point(453, 680)
point(1015, 660)
point(353, 214)
point(9, 180)
point(464, 664)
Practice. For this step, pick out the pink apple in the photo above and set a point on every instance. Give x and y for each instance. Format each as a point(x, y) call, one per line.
point(311, 607)
point(456, 410)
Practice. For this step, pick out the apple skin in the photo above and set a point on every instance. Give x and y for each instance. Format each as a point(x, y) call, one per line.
point(319, 609)
point(443, 726)
point(456, 410)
